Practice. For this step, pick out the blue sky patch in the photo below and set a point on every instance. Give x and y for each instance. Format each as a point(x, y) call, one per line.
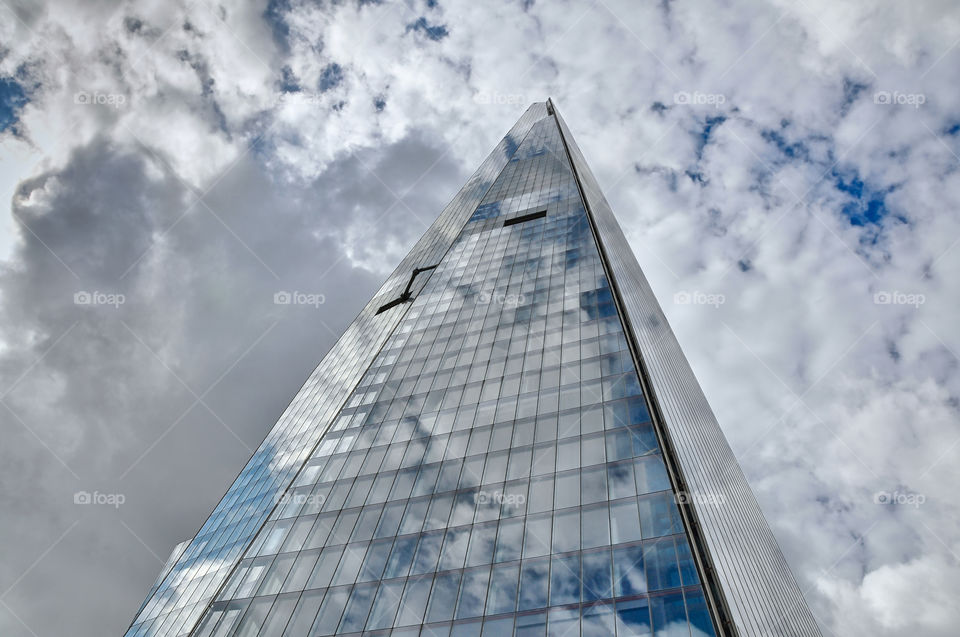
point(330, 77)
point(708, 126)
point(12, 99)
point(867, 205)
point(434, 32)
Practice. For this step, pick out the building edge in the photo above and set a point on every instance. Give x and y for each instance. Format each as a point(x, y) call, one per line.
point(739, 607)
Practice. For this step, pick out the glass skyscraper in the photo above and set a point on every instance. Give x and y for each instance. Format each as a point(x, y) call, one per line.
point(507, 440)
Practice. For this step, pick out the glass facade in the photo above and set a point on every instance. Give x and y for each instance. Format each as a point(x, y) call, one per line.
point(493, 468)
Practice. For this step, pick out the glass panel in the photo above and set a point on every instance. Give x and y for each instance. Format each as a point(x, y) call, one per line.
point(473, 593)
point(598, 620)
point(358, 608)
point(443, 597)
point(304, 613)
point(414, 603)
point(597, 579)
point(633, 618)
point(669, 615)
point(385, 605)
point(629, 574)
point(564, 580)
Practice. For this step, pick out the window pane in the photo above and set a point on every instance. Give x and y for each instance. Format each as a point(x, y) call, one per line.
point(533, 584)
point(509, 541)
point(567, 491)
point(252, 620)
point(428, 552)
point(301, 571)
point(633, 618)
point(304, 613)
point(699, 615)
point(443, 597)
point(628, 573)
point(566, 530)
point(620, 480)
point(277, 619)
point(473, 593)
point(536, 537)
point(375, 560)
point(595, 526)
point(454, 548)
point(531, 625)
point(598, 620)
point(564, 580)
point(597, 579)
point(502, 597)
point(593, 485)
point(385, 606)
point(414, 603)
point(669, 615)
point(330, 611)
point(660, 558)
point(350, 564)
point(563, 622)
point(357, 608)
point(326, 565)
point(624, 521)
point(401, 557)
point(651, 474)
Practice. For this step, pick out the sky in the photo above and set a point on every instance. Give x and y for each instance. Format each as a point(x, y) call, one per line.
point(787, 173)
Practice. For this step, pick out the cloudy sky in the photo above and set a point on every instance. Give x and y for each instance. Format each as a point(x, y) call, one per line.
point(786, 171)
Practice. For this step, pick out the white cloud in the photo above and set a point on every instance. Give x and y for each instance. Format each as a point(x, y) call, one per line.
point(754, 212)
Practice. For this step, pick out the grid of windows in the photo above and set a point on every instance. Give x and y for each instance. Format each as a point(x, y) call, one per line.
point(183, 592)
point(495, 471)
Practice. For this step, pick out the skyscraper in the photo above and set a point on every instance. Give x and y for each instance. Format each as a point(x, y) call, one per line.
point(506, 440)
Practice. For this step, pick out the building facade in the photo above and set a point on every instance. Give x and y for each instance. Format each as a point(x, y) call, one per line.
point(506, 440)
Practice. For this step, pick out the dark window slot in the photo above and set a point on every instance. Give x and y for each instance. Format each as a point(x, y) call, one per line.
point(522, 218)
point(405, 295)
